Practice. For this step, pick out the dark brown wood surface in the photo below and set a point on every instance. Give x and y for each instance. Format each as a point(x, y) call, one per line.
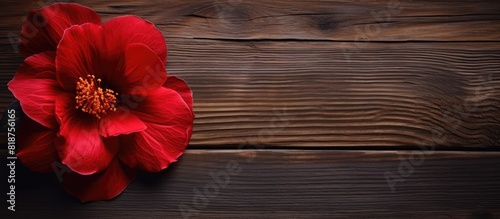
point(321, 77)
point(292, 184)
point(247, 60)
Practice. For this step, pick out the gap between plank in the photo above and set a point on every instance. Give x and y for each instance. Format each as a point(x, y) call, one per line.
point(346, 148)
point(340, 41)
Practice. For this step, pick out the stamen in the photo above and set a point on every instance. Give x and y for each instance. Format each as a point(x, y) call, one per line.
point(92, 99)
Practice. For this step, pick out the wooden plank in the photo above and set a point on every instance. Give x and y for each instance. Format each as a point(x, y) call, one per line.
point(323, 94)
point(349, 93)
point(378, 20)
point(291, 183)
point(337, 94)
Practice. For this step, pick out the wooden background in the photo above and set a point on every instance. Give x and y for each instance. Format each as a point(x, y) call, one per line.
point(317, 102)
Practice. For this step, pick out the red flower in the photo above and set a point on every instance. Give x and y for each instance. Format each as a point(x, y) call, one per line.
point(98, 99)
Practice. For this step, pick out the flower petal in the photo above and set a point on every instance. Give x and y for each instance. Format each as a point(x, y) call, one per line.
point(36, 147)
point(79, 55)
point(169, 123)
point(35, 86)
point(82, 148)
point(43, 29)
point(120, 122)
point(129, 29)
point(101, 186)
point(181, 87)
point(144, 71)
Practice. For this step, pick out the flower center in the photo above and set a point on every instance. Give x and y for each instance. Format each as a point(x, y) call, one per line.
point(92, 99)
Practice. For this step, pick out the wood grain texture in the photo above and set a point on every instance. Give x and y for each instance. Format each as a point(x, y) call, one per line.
point(336, 94)
point(378, 20)
point(291, 183)
point(285, 89)
point(335, 74)
point(310, 94)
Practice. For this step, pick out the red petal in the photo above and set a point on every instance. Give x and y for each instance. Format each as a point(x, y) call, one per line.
point(100, 186)
point(34, 85)
point(36, 147)
point(121, 122)
point(169, 122)
point(81, 148)
point(126, 30)
point(78, 55)
point(182, 88)
point(43, 29)
point(144, 71)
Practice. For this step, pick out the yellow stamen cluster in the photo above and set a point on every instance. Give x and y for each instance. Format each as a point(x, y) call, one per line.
point(92, 99)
